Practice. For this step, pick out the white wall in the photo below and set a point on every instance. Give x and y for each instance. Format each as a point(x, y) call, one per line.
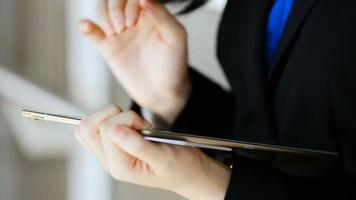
point(202, 32)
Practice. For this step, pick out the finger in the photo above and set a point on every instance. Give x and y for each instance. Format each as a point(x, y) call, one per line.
point(134, 144)
point(89, 131)
point(168, 27)
point(116, 10)
point(102, 12)
point(91, 31)
point(95, 149)
point(96, 118)
point(80, 140)
point(89, 127)
point(117, 160)
point(131, 12)
point(129, 119)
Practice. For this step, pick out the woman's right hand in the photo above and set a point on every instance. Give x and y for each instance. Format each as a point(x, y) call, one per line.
point(147, 53)
point(113, 137)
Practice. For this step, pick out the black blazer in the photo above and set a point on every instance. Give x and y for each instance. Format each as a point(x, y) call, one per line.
point(308, 99)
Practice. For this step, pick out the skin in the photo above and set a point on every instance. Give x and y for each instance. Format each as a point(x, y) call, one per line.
point(145, 47)
point(149, 58)
point(111, 136)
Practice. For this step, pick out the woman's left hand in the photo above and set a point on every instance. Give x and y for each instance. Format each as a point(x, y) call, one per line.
point(112, 137)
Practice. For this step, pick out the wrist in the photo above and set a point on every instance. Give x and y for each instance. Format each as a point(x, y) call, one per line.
point(212, 185)
point(217, 181)
point(172, 104)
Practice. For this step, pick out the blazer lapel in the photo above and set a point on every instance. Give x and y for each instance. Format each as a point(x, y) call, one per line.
point(254, 69)
point(300, 11)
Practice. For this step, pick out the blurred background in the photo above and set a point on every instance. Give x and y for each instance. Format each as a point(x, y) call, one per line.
point(45, 65)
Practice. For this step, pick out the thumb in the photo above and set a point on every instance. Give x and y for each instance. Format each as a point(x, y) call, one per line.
point(91, 31)
point(134, 144)
point(167, 25)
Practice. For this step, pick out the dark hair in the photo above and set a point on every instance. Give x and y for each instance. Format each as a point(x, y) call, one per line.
point(192, 5)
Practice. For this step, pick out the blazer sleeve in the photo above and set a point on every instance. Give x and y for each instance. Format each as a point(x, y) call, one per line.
point(343, 92)
point(209, 110)
point(253, 180)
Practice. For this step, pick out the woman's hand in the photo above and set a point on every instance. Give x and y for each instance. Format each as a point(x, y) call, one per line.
point(111, 136)
point(146, 49)
point(115, 15)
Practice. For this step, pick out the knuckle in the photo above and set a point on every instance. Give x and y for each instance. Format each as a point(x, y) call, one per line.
point(134, 117)
point(114, 108)
point(133, 114)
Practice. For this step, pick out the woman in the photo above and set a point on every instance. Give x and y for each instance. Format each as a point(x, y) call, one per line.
point(290, 65)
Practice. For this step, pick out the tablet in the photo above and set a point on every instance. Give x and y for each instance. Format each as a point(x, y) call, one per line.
point(198, 141)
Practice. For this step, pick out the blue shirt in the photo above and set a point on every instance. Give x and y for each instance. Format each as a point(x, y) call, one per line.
point(276, 24)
